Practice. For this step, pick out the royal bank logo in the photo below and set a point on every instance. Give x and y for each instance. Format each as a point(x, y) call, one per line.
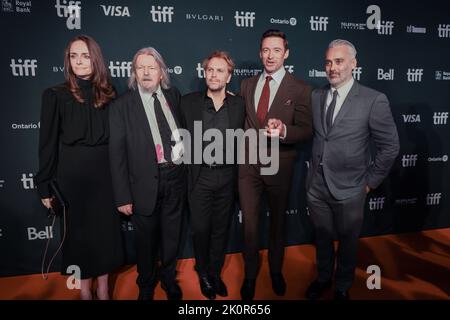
point(409, 160)
point(204, 17)
point(385, 28)
point(440, 118)
point(318, 23)
point(414, 75)
point(23, 67)
point(413, 29)
point(385, 75)
point(289, 21)
point(411, 118)
point(356, 72)
point(443, 31)
point(71, 10)
point(442, 75)
point(120, 69)
point(115, 11)
point(18, 6)
point(433, 199)
point(162, 14)
point(376, 203)
point(443, 158)
point(313, 73)
point(34, 234)
point(244, 19)
point(27, 181)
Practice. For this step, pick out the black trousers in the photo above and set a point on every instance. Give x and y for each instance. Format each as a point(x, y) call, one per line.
point(212, 203)
point(330, 217)
point(160, 232)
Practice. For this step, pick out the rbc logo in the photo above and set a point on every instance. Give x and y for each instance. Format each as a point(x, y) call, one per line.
point(244, 19)
point(23, 68)
point(162, 14)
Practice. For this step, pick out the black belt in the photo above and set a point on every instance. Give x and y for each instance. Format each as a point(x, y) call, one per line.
point(217, 166)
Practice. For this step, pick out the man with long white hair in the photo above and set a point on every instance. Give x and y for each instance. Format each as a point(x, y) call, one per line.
point(148, 185)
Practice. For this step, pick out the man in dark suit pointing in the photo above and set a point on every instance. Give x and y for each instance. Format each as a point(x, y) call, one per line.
point(348, 117)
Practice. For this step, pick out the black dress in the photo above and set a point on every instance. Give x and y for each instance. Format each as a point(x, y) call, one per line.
point(73, 149)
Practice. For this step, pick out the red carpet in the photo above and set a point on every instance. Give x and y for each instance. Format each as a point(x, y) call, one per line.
point(413, 266)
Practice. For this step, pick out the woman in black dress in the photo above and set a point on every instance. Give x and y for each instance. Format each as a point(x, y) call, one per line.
point(73, 150)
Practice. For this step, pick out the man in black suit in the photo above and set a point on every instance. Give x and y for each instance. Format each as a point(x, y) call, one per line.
point(348, 118)
point(148, 185)
point(212, 181)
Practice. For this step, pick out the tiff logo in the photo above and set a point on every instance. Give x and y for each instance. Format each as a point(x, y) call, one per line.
point(244, 19)
point(70, 10)
point(440, 118)
point(409, 160)
point(433, 199)
point(24, 68)
point(407, 118)
point(414, 75)
point(382, 75)
point(385, 27)
point(376, 203)
point(356, 72)
point(120, 69)
point(318, 23)
point(27, 182)
point(162, 14)
point(444, 31)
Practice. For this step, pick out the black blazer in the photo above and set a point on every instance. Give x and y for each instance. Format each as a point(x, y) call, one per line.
point(192, 106)
point(133, 160)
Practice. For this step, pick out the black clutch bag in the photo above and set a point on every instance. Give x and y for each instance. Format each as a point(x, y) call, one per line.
point(57, 201)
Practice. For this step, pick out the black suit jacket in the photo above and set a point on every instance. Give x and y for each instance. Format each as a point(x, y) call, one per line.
point(133, 160)
point(192, 106)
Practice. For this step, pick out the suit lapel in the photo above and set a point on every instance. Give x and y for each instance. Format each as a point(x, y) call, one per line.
point(142, 120)
point(251, 92)
point(280, 96)
point(323, 101)
point(172, 107)
point(347, 104)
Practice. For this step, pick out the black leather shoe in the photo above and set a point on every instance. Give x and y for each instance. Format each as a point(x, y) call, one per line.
point(248, 289)
point(172, 290)
point(145, 295)
point(341, 295)
point(221, 288)
point(316, 289)
point(207, 287)
point(278, 284)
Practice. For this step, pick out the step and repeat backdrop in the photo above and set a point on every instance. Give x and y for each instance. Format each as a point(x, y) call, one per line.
point(405, 56)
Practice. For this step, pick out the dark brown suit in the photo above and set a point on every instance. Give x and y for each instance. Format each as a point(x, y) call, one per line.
point(292, 105)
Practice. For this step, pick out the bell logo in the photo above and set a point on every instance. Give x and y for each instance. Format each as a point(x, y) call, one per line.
point(33, 234)
point(440, 118)
point(162, 14)
point(414, 75)
point(70, 10)
point(389, 75)
point(244, 19)
point(318, 23)
point(374, 280)
point(23, 68)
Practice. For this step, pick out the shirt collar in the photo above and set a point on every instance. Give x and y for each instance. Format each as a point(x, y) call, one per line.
point(344, 90)
point(148, 95)
point(277, 76)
